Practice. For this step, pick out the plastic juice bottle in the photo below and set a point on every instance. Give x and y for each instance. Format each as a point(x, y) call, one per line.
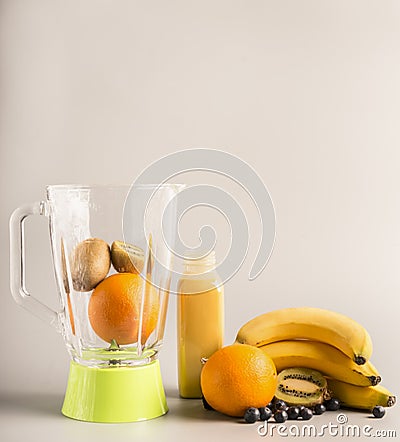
point(200, 321)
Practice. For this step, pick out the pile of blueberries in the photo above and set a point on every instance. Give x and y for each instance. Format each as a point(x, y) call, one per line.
point(282, 412)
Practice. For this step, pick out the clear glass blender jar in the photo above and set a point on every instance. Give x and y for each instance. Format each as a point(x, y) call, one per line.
point(111, 249)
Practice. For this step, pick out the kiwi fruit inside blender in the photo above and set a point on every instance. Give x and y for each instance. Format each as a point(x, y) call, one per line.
point(90, 263)
point(127, 258)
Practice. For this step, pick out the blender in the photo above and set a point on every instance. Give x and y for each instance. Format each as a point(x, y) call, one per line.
point(112, 268)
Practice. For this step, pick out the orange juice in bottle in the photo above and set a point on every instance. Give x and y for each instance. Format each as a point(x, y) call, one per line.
point(200, 321)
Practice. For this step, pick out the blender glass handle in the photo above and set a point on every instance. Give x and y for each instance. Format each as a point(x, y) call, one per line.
point(17, 264)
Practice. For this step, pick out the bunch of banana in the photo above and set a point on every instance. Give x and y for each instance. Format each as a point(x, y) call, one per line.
point(324, 358)
point(315, 324)
point(333, 344)
point(364, 398)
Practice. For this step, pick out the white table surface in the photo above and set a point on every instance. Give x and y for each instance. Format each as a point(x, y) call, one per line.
point(25, 417)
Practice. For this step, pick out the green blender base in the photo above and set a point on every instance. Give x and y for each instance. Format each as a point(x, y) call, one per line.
point(115, 394)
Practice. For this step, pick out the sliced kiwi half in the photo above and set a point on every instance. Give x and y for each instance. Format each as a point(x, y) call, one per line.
point(127, 258)
point(301, 386)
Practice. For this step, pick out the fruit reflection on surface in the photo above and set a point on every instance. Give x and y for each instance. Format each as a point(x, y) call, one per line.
point(115, 307)
point(237, 377)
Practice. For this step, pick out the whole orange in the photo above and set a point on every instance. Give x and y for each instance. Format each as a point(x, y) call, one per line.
point(114, 308)
point(237, 377)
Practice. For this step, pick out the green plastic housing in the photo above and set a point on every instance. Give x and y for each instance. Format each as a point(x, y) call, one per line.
point(114, 394)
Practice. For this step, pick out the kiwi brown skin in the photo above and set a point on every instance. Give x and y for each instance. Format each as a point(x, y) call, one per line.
point(90, 263)
point(126, 258)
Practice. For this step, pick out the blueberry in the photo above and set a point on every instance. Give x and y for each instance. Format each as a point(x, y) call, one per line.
point(319, 409)
point(271, 406)
point(306, 414)
point(293, 413)
point(206, 405)
point(280, 405)
point(280, 416)
point(332, 404)
point(252, 415)
point(378, 411)
point(265, 413)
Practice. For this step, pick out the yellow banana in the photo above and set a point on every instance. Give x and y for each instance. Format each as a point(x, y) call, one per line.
point(364, 398)
point(322, 357)
point(309, 323)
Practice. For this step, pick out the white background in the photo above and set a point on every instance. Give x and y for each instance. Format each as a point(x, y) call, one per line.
point(307, 92)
